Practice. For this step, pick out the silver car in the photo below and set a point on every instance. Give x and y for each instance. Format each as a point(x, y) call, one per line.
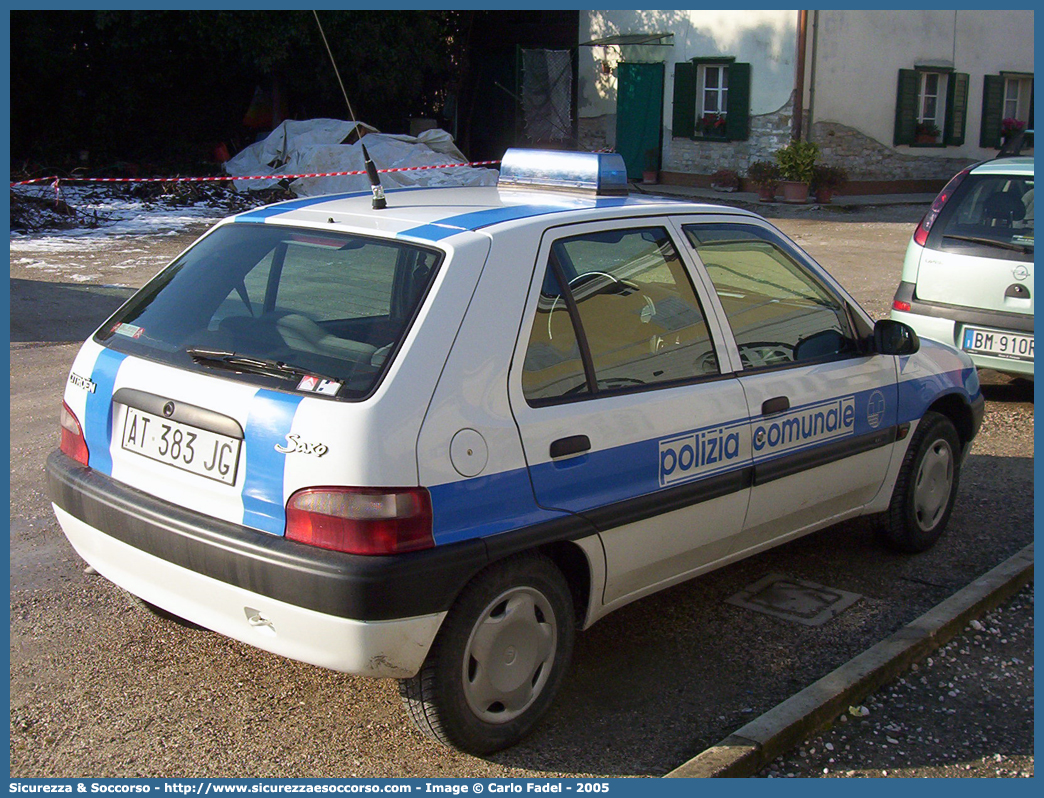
point(968, 275)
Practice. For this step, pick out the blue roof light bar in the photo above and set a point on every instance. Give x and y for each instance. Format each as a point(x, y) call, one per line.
point(603, 173)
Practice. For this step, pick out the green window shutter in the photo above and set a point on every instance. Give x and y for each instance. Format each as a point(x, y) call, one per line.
point(684, 111)
point(956, 109)
point(992, 110)
point(737, 118)
point(906, 106)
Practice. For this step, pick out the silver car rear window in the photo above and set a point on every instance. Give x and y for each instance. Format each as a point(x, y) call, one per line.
point(989, 216)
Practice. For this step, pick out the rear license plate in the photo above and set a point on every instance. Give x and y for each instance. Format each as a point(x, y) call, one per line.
point(1013, 346)
point(198, 451)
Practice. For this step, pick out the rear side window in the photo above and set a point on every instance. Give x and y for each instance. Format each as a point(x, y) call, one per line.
point(989, 216)
point(333, 305)
point(780, 314)
point(616, 312)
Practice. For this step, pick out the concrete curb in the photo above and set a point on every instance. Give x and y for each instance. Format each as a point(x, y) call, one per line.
point(749, 749)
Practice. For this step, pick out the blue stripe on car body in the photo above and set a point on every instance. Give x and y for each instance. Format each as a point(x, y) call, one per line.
point(484, 506)
point(268, 211)
point(488, 505)
point(268, 422)
point(476, 220)
point(97, 424)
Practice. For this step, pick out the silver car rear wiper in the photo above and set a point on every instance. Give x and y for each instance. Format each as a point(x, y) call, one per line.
point(222, 358)
point(991, 242)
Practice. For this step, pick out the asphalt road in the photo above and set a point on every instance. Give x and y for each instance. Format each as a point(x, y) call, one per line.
point(101, 687)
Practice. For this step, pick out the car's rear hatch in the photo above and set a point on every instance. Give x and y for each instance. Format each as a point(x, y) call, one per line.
point(246, 369)
point(979, 253)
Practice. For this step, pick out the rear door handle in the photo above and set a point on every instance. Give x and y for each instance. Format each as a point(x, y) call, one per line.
point(777, 404)
point(574, 444)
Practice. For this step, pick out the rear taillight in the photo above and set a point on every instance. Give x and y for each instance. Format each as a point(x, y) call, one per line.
point(898, 304)
point(361, 520)
point(73, 443)
point(924, 226)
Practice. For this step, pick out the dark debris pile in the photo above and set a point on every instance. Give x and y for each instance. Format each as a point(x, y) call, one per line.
point(39, 208)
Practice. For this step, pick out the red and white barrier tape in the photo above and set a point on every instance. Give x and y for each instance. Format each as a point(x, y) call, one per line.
point(55, 181)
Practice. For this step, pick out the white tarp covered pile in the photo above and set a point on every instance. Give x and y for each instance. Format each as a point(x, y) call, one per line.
point(315, 145)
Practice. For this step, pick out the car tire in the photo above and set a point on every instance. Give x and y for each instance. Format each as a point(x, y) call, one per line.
point(926, 488)
point(498, 659)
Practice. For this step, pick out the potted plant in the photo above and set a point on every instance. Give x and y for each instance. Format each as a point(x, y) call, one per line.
point(712, 125)
point(1009, 127)
point(926, 133)
point(765, 177)
point(651, 173)
point(796, 161)
point(826, 180)
point(725, 180)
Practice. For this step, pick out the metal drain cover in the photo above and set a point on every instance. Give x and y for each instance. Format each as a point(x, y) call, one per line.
point(794, 599)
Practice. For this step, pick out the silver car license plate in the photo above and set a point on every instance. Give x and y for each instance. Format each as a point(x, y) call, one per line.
point(998, 343)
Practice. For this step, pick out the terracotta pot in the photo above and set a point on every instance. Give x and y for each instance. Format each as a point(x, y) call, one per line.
point(794, 191)
point(767, 193)
point(824, 195)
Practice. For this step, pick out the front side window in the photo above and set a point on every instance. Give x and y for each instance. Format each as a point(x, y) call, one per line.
point(278, 304)
point(616, 312)
point(780, 314)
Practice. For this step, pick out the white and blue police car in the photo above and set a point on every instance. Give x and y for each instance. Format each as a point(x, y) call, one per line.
point(430, 441)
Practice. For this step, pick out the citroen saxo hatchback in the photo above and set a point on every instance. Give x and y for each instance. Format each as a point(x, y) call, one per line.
point(430, 441)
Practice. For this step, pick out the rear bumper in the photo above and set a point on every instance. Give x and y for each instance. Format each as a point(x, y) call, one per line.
point(999, 319)
point(383, 648)
point(946, 323)
point(335, 610)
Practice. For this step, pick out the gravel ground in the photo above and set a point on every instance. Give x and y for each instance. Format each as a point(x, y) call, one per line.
point(966, 711)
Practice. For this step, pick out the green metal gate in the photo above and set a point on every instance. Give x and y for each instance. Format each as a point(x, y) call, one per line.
point(639, 116)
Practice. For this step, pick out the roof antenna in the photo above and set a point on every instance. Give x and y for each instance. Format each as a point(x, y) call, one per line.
point(379, 202)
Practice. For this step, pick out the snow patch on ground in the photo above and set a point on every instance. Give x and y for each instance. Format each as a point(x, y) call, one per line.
point(113, 216)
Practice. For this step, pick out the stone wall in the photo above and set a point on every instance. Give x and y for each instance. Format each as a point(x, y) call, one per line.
point(768, 132)
point(867, 159)
point(864, 158)
point(596, 132)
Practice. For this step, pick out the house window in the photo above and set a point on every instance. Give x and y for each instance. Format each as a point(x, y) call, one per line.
point(711, 99)
point(1018, 93)
point(931, 107)
point(713, 103)
point(1007, 107)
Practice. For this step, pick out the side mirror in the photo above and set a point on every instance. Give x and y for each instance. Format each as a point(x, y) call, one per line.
point(895, 338)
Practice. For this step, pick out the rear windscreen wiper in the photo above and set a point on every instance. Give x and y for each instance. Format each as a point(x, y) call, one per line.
point(230, 360)
point(991, 242)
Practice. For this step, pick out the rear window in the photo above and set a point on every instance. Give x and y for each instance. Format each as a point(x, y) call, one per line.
point(989, 216)
point(280, 306)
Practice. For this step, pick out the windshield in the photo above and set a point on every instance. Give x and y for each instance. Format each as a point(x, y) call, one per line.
point(287, 303)
point(990, 216)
